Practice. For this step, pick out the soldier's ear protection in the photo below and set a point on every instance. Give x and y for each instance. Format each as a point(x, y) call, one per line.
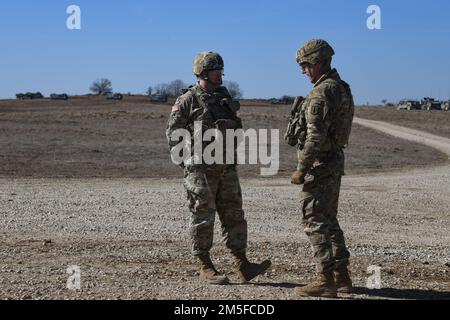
point(204, 75)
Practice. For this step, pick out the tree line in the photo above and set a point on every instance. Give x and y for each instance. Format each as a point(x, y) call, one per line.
point(172, 89)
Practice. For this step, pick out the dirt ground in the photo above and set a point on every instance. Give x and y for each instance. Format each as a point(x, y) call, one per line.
point(89, 183)
point(433, 121)
point(92, 137)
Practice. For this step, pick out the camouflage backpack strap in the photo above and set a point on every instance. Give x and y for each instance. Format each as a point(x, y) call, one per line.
point(191, 91)
point(199, 110)
point(343, 115)
point(199, 104)
point(296, 125)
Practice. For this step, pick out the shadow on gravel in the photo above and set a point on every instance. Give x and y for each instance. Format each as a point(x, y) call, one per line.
point(391, 293)
point(288, 285)
point(403, 293)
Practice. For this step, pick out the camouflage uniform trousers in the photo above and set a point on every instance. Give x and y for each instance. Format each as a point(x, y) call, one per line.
point(225, 197)
point(319, 203)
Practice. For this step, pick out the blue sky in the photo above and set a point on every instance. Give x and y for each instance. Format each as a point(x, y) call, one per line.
point(141, 43)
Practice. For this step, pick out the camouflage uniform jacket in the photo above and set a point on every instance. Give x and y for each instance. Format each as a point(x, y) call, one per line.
point(197, 104)
point(319, 110)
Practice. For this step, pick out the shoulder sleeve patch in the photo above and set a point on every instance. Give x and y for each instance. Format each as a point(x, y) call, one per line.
point(316, 107)
point(182, 103)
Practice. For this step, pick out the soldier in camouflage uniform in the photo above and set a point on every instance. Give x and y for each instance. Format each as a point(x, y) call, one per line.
point(214, 187)
point(325, 119)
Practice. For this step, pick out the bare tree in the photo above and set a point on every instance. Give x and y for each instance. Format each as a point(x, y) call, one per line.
point(384, 101)
point(101, 86)
point(175, 87)
point(233, 89)
point(288, 99)
point(162, 88)
point(149, 91)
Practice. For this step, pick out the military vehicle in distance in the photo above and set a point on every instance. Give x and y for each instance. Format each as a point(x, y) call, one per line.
point(114, 96)
point(409, 105)
point(282, 100)
point(158, 97)
point(430, 104)
point(29, 96)
point(445, 105)
point(55, 96)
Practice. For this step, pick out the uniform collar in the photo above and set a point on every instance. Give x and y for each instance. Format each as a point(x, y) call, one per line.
point(199, 87)
point(330, 74)
point(219, 92)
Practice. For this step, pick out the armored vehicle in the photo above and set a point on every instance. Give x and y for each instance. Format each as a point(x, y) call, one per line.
point(115, 96)
point(430, 104)
point(445, 105)
point(282, 100)
point(55, 96)
point(29, 95)
point(158, 98)
point(409, 105)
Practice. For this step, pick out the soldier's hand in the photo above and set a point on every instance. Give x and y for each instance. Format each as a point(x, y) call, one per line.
point(298, 177)
point(223, 124)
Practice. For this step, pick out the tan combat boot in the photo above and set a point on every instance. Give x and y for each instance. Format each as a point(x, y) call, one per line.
point(343, 280)
point(322, 286)
point(208, 273)
point(247, 270)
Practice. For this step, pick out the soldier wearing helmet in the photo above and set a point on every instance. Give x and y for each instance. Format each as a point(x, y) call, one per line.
point(326, 116)
point(214, 187)
point(205, 62)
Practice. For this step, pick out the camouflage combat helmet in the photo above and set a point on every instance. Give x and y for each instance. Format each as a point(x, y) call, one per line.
point(207, 61)
point(314, 51)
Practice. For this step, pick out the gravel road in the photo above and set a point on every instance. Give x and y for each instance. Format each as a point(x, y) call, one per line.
point(129, 238)
point(440, 143)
